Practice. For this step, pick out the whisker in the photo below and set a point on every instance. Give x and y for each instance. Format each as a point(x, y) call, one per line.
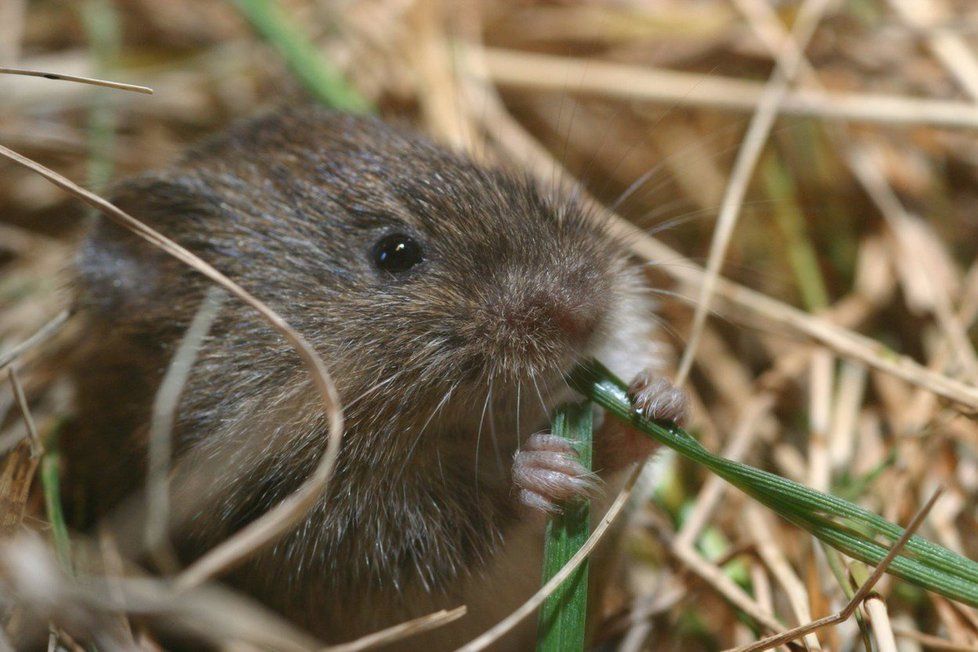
point(492, 425)
point(519, 430)
point(376, 387)
point(478, 442)
point(685, 151)
point(438, 407)
point(633, 145)
point(699, 213)
point(536, 386)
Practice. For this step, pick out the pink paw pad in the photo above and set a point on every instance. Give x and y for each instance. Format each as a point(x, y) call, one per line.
point(547, 472)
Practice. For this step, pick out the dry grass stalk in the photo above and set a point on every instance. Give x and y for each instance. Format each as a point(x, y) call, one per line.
point(545, 72)
point(42, 335)
point(161, 427)
point(114, 567)
point(934, 642)
point(399, 632)
point(37, 448)
point(879, 620)
point(765, 543)
point(438, 90)
point(80, 80)
point(849, 397)
point(789, 63)
point(819, 416)
point(722, 584)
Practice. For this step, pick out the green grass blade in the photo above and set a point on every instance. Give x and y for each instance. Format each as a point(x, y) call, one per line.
point(51, 483)
point(301, 56)
point(563, 616)
point(852, 530)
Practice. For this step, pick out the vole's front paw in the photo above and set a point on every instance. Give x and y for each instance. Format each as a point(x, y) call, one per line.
point(658, 399)
point(655, 397)
point(547, 472)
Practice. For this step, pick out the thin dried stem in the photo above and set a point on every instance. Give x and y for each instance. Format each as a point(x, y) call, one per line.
point(43, 334)
point(773, 557)
point(439, 93)
point(934, 642)
point(788, 65)
point(79, 80)
point(879, 621)
point(400, 632)
point(544, 72)
point(722, 584)
point(37, 448)
point(162, 420)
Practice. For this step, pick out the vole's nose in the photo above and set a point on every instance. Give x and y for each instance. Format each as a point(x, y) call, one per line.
point(550, 313)
point(538, 318)
point(574, 321)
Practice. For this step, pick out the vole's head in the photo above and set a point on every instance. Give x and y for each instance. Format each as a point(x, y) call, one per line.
point(415, 272)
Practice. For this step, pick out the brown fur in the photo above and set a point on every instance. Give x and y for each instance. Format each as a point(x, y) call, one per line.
point(421, 509)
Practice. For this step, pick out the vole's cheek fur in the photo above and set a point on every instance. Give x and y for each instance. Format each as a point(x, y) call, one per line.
point(444, 371)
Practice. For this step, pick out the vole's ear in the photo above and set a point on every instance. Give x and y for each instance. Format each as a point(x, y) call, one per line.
point(118, 273)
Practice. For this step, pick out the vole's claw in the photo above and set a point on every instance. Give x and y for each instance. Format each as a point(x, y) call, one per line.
point(657, 398)
point(547, 472)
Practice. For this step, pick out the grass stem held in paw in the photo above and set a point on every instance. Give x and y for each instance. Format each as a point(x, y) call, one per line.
point(563, 616)
point(848, 528)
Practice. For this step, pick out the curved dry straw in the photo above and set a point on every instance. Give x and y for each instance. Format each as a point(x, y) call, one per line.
point(279, 519)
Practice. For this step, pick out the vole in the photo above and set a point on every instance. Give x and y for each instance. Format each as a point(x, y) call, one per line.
point(447, 298)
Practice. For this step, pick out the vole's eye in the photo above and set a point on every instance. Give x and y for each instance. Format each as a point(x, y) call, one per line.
point(397, 253)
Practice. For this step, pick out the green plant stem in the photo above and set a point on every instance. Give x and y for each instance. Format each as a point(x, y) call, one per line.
point(563, 616)
point(852, 530)
point(801, 254)
point(51, 483)
point(301, 56)
point(837, 566)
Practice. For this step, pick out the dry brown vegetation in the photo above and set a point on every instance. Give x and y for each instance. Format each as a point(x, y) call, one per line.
point(821, 154)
